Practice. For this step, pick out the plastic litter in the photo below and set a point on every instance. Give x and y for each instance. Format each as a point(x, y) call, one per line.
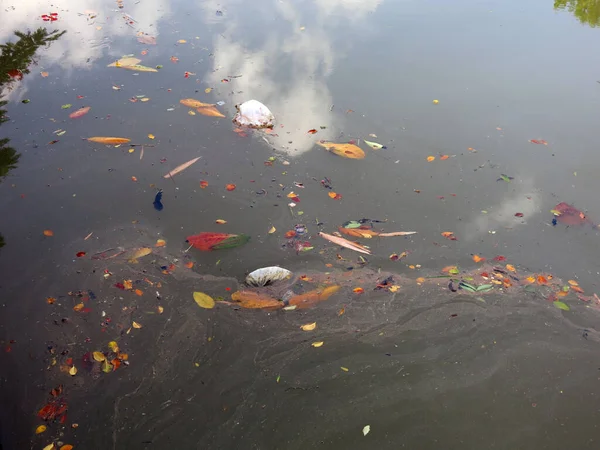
point(253, 114)
point(267, 275)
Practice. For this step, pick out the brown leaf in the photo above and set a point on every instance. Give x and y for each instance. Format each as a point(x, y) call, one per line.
point(345, 243)
point(192, 103)
point(181, 167)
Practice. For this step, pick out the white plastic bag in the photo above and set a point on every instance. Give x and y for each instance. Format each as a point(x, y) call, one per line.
point(253, 114)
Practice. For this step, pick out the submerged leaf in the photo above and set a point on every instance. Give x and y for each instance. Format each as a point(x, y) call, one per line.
point(345, 243)
point(203, 300)
point(255, 300)
point(344, 150)
point(210, 111)
point(561, 305)
point(80, 112)
point(192, 103)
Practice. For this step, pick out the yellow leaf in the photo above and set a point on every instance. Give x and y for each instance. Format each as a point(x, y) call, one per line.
point(510, 268)
point(207, 90)
point(98, 356)
point(221, 221)
point(420, 280)
point(394, 288)
point(145, 99)
point(317, 344)
point(113, 346)
point(203, 300)
point(430, 158)
point(109, 140)
point(136, 325)
point(128, 61)
point(128, 284)
point(191, 113)
point(344, 150)
point(73, 371)
point(41, 429)
point(181, 41)
point(345, 369)
point(161, 243)
point(151, 136)
point(309, 326)
point(160, 309)
point(50, 447)
point(272, 230)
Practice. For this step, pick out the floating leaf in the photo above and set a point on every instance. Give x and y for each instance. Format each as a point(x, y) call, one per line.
point(358, 290)
point(467, 286)
point(80, 112)
point(449, 235)
point(98, 356)
point(317, 344)
point(345, 369)
point(161, 243)
point(397, 233)
point(48, 233)
point(573, 283)
point(73, 371)
point(203, 300)
point(255, 300)
point(272, 230)
point(444, 157)
point(230, 187)
point(373, 145)
point(311, 298)
point(40, 429)
point(309, 326)
point(478, 258)
point(210, 111)
point(430, 158)
point(139, 253)
point(220, 221)
point(139, 68)
point(366, 430)
point(181, 167)
point(334, 195)
point(139, 292)
point(136, 325)
point(49, 446)
point(510, 268)
point(192, 103)
point(208, 241)
point(485, 288)
point(561, 305)
point(67, 106)
point(344, 150)
point(109, 140)
point(345, 243)
point(106, 366)
point(113, 346)
point(66, 447)
point(203, 184)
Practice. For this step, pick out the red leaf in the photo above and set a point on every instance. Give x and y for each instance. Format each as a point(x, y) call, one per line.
point(518, 214)
point(230, 187)
point(80, 254)
point(500, 258)
point(313, 131)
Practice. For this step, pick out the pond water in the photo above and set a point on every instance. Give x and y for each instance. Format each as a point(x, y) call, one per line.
point(487, 114)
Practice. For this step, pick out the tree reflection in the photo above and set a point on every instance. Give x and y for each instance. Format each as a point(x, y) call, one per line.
point(15, 61)
point(587, 11)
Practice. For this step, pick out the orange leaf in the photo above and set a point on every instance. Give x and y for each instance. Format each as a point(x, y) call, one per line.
point(48, 233)
point(358, 290)
point(210, 111)
point(290, 234)
point(573, 283)
point(449, 235)
point(530, 279)
point(78, 307)
point(510, 268)
point(335, 196)
point(139, 292)
point(313, 131)
point(203, 184)
point(254, 300)
point(161, 243)
point(189, 264)
point(444, 157)
point(430, 158)
point(50, 300)
point(358, 232)
point(109, 140)
point(420, 280)
point(230, 187)
point(542, 280)
point(447, 269)
point(191, 103)
point(344, 150)
point(478, 258)
point(311, 298)
point(577, 289)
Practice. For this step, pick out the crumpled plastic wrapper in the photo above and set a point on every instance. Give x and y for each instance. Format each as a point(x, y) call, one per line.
point(253, 114)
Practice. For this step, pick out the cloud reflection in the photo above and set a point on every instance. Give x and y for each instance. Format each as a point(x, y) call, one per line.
point(288, 70)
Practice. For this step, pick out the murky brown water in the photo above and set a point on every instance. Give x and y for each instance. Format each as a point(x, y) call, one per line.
point(426, 368)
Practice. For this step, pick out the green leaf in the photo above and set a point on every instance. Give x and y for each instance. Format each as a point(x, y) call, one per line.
point(454, 271)
point(468, 278)
point(561, 305)
point(67, 106)
point(565, 288)
point(505, 178)
point(351, 224)
point(203, 300)
point(106, 366)
point(25, 101)
point(373, 145)
point(485, 287)
point(467, 287)
point(230, 242)
point(159, 66)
